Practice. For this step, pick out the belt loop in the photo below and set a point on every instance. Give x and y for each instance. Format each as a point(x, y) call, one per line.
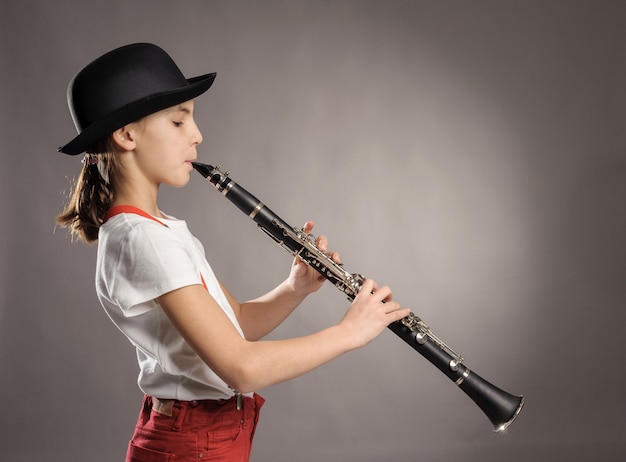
point(180, 417)
point(258, 402)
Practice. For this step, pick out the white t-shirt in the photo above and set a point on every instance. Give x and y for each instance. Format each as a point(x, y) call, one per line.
point(140, 259)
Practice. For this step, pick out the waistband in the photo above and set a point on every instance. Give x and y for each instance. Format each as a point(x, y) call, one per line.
point(166, 406)
point(187, 417)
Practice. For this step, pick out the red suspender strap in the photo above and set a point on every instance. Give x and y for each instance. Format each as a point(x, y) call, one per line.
point(137, 211)
point(129, 209)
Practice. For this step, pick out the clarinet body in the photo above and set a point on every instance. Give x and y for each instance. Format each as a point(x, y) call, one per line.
point(499, 406)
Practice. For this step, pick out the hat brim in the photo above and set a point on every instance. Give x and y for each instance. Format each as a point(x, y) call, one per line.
point(135, 111)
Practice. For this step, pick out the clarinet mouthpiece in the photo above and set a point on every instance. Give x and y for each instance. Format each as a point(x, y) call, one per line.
point(204, 169)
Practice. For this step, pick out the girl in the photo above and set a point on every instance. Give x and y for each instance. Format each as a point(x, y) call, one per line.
point(199, 350)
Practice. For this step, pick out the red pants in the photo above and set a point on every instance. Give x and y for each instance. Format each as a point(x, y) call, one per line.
point(195, 431)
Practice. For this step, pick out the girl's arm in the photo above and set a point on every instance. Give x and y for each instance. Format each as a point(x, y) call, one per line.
point(251, 365)
point(262, 315)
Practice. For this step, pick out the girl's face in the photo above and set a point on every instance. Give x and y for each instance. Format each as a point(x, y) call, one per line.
point(166, 143)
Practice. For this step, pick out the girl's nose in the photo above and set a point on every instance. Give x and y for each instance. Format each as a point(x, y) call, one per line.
point(196, 137)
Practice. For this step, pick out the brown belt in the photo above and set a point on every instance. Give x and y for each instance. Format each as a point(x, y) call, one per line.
point(163, 406)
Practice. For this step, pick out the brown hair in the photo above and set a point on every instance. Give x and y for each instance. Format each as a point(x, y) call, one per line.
point(93, 193)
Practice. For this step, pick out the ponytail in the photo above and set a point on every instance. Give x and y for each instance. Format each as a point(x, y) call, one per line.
point(93, 193)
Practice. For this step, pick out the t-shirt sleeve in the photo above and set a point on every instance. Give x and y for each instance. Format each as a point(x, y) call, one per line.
point(152, 261)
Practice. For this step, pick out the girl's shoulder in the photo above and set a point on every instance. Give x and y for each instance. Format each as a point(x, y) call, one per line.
point(129, 227)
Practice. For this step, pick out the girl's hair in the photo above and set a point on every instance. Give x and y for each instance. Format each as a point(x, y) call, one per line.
point(93, 193)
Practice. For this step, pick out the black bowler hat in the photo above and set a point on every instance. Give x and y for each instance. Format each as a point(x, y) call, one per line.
point(123, 86)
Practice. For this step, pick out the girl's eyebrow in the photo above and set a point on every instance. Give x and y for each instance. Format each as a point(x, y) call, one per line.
point(180, 108)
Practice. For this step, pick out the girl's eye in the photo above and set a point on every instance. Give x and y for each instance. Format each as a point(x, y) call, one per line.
point(177, 124)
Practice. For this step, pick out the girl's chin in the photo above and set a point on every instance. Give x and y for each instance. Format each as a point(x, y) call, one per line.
point(179, 182)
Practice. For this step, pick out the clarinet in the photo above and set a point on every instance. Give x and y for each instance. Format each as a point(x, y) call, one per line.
point(500, 407)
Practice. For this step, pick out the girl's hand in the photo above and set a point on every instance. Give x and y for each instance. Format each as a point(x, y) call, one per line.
point(371, 311)
point(302, 277)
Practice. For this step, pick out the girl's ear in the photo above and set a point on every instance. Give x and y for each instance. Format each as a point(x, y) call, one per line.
point(124, 137)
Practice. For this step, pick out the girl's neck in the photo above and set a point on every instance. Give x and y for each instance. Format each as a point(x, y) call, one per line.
point(144, 201)
point(132, 187)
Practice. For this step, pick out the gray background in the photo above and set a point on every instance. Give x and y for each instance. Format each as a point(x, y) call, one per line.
point(470, 154)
